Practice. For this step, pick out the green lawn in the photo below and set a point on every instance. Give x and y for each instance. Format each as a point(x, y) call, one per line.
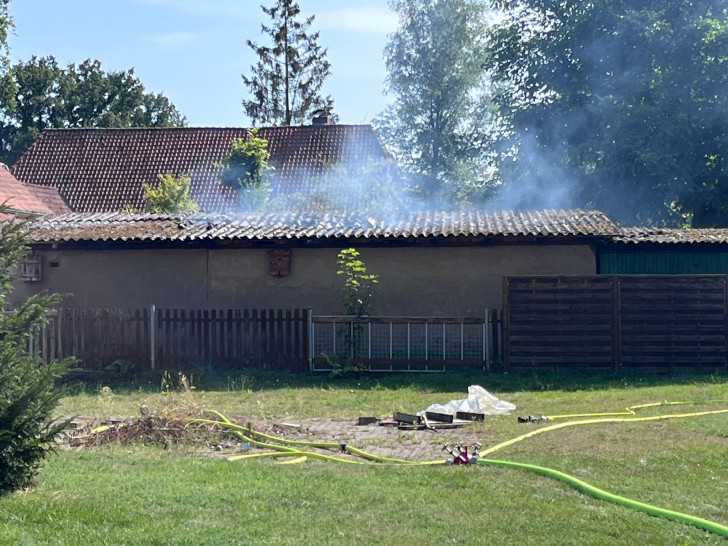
point(134, 494)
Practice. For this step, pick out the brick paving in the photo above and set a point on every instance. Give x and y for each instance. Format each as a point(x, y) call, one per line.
point(387, 441)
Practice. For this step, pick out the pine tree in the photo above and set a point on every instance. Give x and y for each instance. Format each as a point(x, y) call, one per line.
point(28, 396)
point(285, 84)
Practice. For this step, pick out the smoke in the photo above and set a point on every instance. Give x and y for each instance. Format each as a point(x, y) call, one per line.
point(629, 114)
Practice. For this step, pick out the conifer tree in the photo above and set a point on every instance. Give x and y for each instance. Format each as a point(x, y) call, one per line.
point(28, 395)
point(285, 84)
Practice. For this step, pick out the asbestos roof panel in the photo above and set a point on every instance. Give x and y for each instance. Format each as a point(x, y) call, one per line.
point(672, 235)
point(271, 226)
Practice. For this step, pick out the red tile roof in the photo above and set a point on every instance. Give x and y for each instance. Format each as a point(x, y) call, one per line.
point(146, 227)
point(23, 198)
point(102, 170)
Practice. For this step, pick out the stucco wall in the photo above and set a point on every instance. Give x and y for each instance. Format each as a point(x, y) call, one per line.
point(429, 281)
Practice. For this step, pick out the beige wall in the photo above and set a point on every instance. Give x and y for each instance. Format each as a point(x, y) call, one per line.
point(445, 281)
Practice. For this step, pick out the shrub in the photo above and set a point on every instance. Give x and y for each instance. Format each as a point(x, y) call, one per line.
point(28, 395)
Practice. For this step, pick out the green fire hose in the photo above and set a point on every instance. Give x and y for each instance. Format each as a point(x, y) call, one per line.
point(281, 448)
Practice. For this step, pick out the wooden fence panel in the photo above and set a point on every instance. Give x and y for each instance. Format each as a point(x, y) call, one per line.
point(664, 321)
point(234, 338)
point(673, 321)
point(558, 320)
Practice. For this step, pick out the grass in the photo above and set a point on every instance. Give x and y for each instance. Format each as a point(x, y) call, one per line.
point(137, 494)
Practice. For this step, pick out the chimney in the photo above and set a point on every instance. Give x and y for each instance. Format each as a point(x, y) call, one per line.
point(320, 117)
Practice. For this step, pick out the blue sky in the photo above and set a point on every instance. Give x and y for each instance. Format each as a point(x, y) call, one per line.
point(194, 51)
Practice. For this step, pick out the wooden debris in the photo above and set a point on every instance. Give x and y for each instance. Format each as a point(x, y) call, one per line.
point(439, 417)
point(467, 416)
point(406, 418)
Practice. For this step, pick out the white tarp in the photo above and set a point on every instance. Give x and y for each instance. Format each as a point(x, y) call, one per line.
point(478, 401)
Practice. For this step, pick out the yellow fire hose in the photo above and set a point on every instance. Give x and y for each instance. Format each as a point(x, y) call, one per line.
point(281, 450)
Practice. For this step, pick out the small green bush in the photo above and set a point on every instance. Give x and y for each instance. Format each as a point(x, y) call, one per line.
point(28, 394)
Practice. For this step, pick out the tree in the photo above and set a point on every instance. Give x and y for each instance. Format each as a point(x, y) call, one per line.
point(359, 289)
point(28, 395)
point(245, 169)
point(171, 195)
point(6, 88)
point(6, 24)
point(438, 126)
point(285, 84)
point(43, 95)
point(616, 105)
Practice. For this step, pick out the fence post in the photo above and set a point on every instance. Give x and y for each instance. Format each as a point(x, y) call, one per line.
point(309, 315)
point(486, 355)
point(153, 335)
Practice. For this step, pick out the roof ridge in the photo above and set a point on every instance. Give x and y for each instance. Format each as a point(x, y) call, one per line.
point(205, 127)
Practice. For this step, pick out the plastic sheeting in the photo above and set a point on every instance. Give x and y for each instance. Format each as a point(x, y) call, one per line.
point(478, 401)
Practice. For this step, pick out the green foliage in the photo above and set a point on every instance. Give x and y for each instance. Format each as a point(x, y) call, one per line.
point(359, 289)
point(285, 84)
point(6, 24)
point(38, 95)
point(172, 195)
point(374, 188)
point(359, 293)
point(437, 127)
point(28, 396)
point(245, 169)
point(620, 104)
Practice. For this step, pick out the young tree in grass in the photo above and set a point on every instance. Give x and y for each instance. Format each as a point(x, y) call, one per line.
point(359, 285)
point(28, 394)
point(285, 84)
point(358, 293)
point(171, 195)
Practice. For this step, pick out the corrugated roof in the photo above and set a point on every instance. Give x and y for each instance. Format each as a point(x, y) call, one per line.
point(672, 235)
point(102, 170)
point(269, 226)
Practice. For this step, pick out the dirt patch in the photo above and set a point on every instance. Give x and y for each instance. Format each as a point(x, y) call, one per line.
point(213, 440)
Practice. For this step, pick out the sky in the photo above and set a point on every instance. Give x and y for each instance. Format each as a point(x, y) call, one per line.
point(194, 52)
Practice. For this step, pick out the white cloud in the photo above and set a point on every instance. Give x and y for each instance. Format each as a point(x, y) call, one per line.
point(167, 39)
point(204, 7)
point(366, 19)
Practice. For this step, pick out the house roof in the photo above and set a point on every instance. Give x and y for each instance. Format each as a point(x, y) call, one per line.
point(147, 227)
point(672, 235)
point(28, 199)
point(102, 170)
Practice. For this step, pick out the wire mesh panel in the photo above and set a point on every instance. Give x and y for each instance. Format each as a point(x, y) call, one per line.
point(411, 342)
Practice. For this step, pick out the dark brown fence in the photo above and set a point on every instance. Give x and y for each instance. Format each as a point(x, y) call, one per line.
point(664, 321)
point(263, 338)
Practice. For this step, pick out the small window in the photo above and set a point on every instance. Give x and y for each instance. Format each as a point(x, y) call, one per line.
point(31, 269)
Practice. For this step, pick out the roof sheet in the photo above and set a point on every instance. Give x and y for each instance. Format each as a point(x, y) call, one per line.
point(270, 226)
point(102, 170)
point(672, 235)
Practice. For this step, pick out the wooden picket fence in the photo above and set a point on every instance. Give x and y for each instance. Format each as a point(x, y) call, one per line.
point(275, 339)
point(616, 321)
